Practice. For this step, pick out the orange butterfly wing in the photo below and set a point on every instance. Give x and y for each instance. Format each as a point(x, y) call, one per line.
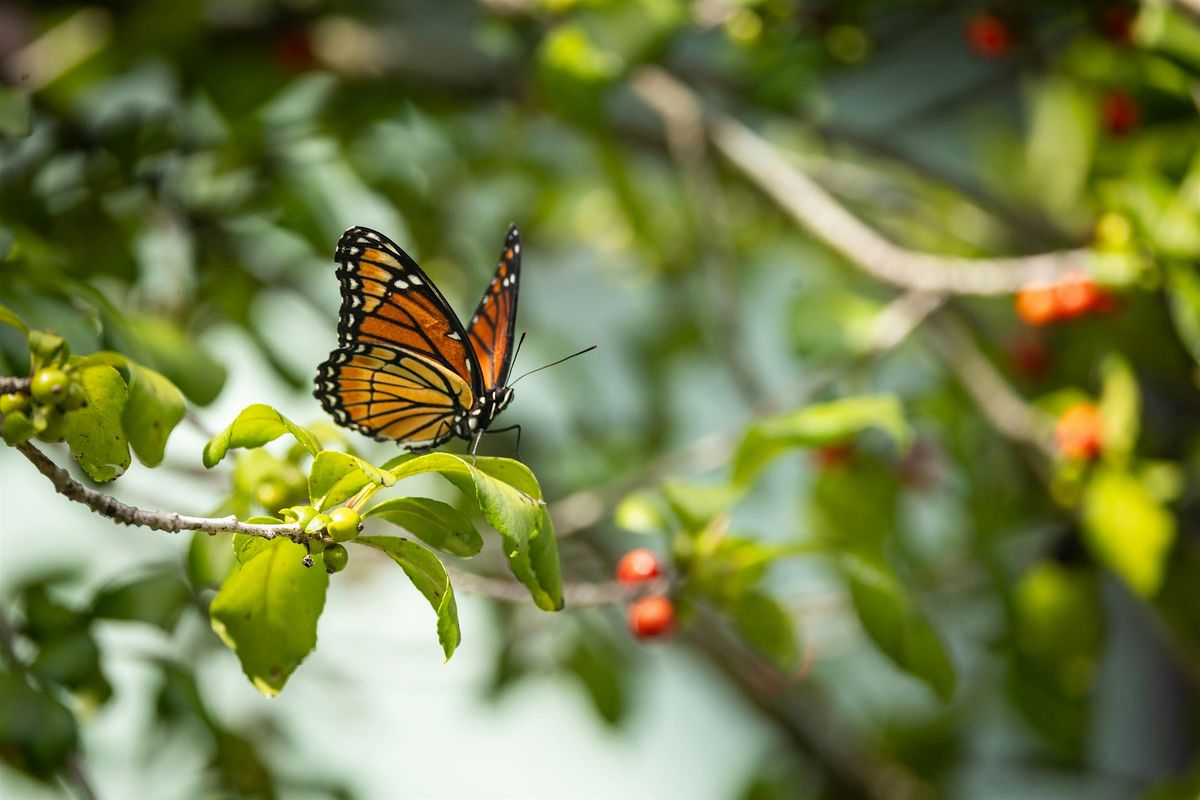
point(492, 326)
point(402, 371)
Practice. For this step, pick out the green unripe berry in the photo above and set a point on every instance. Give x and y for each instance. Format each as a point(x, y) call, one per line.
point(49, 386)
point(317, 524)
point(271, 495)
point(336, 558)
point(54, 428)
point(10, 403)
point(344, 524)
point(301, 515)
point(76, 396)
point(317, 546)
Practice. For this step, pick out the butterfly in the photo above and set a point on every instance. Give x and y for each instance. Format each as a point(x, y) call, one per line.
point(406, 369)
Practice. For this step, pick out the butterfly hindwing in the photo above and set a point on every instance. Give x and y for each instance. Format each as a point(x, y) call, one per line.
point(492, 326)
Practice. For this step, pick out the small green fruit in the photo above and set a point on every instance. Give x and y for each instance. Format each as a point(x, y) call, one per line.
point(301, 515)
point(50, 386)
point(10, 403)
point(76, 396)
point(344, 524)
point(54, 428)
point(271, 495)
point(336, 558)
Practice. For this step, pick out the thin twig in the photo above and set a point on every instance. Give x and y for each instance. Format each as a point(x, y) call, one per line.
point(167, 521)
point(1004, 408)
point(79, 778)
point(830, 222)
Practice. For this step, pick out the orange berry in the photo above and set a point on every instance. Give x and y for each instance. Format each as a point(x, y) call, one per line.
point(1075, 294)
point(988, 36)
point(637, 566)
point(1037, 305)
point(1080, 432)
point(651, 616)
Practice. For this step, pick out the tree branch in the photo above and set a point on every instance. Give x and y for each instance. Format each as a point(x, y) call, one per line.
point(13, 385)
point(167, 521)
point(829, 221)
point(1004, 408)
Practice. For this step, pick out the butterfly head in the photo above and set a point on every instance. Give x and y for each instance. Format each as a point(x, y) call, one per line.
point(488, 407)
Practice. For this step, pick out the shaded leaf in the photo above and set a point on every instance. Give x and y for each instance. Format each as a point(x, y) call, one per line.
point(94, 432)
point(267, 612)
point(8, 317)
point(37, 732)
point(158, 599)
point(825, 423)
point(893, 622)
point(768, 628)
point(429, 576)
point(155, 406)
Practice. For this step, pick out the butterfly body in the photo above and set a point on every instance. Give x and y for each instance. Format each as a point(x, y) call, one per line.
point(406, 369)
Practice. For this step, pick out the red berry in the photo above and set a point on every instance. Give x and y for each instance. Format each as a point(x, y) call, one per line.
point(1119, 111)
point(988, 36)
point(1080, 432)
point(1037, 305)
point(637, 566)
point(1075, 294)
point(651, 616)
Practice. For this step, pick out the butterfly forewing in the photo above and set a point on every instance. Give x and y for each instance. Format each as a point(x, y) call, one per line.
point(387, 299)
point(403, 370)
point(494, 322)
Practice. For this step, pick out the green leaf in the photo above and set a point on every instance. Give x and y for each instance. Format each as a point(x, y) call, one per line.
point(429, 576)
point(1061, 140)
point(8, 317)
point(895, 624)
point(336, 477)
point(641, 512)
point(254, 427)
point(439, 525)
point(697, 504)
point(856, 507)
point(510, 500)
point(599, 672)
point(1183, 294)
point(1120, 408)
point(158, 599)
point(768, 628)
point(1127, 529)
point(94, 432)
point(246, 547)
point(17, 428)
point(16, 116)
point(267, 612)
point(155, 406)
point(37, 732)
point(825, 423)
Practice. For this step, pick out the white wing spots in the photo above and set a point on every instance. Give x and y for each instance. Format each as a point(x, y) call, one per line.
point(487, 298)
point(372, 235)
point(453, 335)
point(509, 280)
point(400, 283)
point(415, 280)
point(516, 248)
point(355, 301)
point(353, 283)
point(493, 282)
point(353, 250)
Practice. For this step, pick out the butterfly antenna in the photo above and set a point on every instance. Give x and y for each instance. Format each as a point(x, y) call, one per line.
point(517, 352)
point(555, 363)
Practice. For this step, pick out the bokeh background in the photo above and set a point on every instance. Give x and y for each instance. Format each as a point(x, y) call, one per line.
point(701, 189)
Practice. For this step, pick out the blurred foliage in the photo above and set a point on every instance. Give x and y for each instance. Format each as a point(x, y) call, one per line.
point(174, 175)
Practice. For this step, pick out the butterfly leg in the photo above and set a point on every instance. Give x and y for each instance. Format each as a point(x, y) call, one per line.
point(516, 428)
point(475, 445)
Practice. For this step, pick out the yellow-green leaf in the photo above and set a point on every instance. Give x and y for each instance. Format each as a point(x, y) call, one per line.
point(1127, 529)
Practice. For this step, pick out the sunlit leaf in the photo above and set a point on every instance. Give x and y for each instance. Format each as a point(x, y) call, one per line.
point(254, 427)
point(336, 476)
point(8, 317)
point(155, 406)
point(1120, 408)
point(1127, 529)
